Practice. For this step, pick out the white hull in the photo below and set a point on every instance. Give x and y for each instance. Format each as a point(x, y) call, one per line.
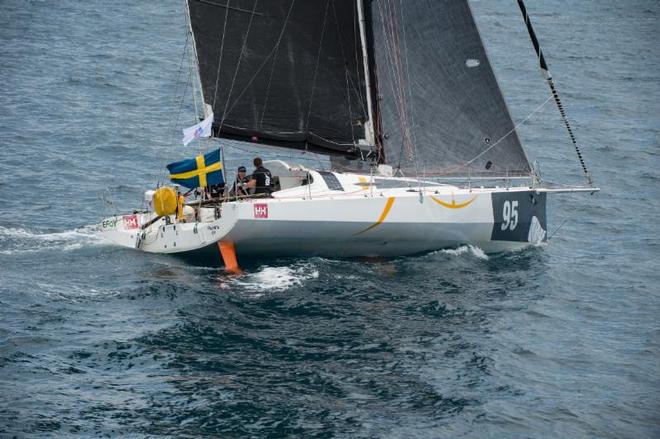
point(357, 218)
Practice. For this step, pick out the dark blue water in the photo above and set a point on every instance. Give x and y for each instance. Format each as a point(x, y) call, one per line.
point(562, 341)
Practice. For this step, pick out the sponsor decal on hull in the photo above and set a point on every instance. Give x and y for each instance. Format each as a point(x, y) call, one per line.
point(520, 217)
point(109, 223)
point(260, 210)
point(130, 221)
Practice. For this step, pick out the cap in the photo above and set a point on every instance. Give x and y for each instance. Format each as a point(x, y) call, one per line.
point(241, 169)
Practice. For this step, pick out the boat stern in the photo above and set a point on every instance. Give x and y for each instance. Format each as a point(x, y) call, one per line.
point(124, 230)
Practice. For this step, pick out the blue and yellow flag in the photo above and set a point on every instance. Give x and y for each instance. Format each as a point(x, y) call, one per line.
point(203, 170)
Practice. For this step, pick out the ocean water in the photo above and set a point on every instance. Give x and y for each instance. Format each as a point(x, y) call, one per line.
point(98, 341)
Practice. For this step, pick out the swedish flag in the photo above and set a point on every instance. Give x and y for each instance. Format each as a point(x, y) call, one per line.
point(203, 170)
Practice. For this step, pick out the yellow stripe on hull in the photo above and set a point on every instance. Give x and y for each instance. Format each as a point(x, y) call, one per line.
point(453, 204)
point(383, 215)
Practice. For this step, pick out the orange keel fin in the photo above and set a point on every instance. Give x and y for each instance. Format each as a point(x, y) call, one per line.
point(228, 252)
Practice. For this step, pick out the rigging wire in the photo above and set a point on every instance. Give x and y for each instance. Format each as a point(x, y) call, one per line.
point(194, 89)
point(557, 229)
point(512, 130)
point(410, 94)
point(272, 70)
point(393, 56)
point(347, 75)
point(350, 111)
point(173, 121)
point(176, 91)
point(316, 66)
point(393, 16)
point(263, 64)
point(222, 48)
point(238, 65)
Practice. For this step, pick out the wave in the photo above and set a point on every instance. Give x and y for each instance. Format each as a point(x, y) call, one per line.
point(19, 240)
point(274, 279)
point(469, 250)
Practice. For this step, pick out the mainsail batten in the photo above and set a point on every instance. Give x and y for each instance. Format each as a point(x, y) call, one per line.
point(287, 75)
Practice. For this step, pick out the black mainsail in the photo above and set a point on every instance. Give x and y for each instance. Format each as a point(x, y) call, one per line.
point(290, 73)
point(283, 72)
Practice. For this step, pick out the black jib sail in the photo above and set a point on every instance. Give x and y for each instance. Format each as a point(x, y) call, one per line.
point(283, 72)
point(441, 110)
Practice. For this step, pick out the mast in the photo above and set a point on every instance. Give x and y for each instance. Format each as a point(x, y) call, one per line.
point(195, 64)
point(369, 125)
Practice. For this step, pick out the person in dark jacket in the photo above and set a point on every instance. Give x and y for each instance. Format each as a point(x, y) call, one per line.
point(261, 180)
point(240, 186)
point(214, 191)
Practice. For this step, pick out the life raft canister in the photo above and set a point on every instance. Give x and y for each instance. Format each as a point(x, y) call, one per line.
point(165, 202)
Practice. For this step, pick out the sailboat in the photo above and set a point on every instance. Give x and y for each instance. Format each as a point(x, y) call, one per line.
point(402, 100)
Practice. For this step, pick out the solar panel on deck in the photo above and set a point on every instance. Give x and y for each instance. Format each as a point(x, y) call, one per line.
point(331, 180)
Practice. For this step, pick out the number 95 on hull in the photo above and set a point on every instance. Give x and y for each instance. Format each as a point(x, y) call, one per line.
point(519, 216)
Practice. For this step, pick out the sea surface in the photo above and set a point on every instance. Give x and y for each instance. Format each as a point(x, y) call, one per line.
point(561, 341)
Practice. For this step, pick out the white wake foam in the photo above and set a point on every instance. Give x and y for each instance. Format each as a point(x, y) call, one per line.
point(19, 240)
point(269, 279)
point(466, 250)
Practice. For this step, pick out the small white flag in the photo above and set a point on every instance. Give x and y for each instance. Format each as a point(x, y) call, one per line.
point(202, 129)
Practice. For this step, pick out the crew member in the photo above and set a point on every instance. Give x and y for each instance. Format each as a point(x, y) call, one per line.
point(180, 204)
point(240, 186)
point(261, 179)
point(215, 190)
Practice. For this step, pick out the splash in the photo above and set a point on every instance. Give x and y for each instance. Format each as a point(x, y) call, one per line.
point(269, 279)
point(19, 240)
point(470, 250)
